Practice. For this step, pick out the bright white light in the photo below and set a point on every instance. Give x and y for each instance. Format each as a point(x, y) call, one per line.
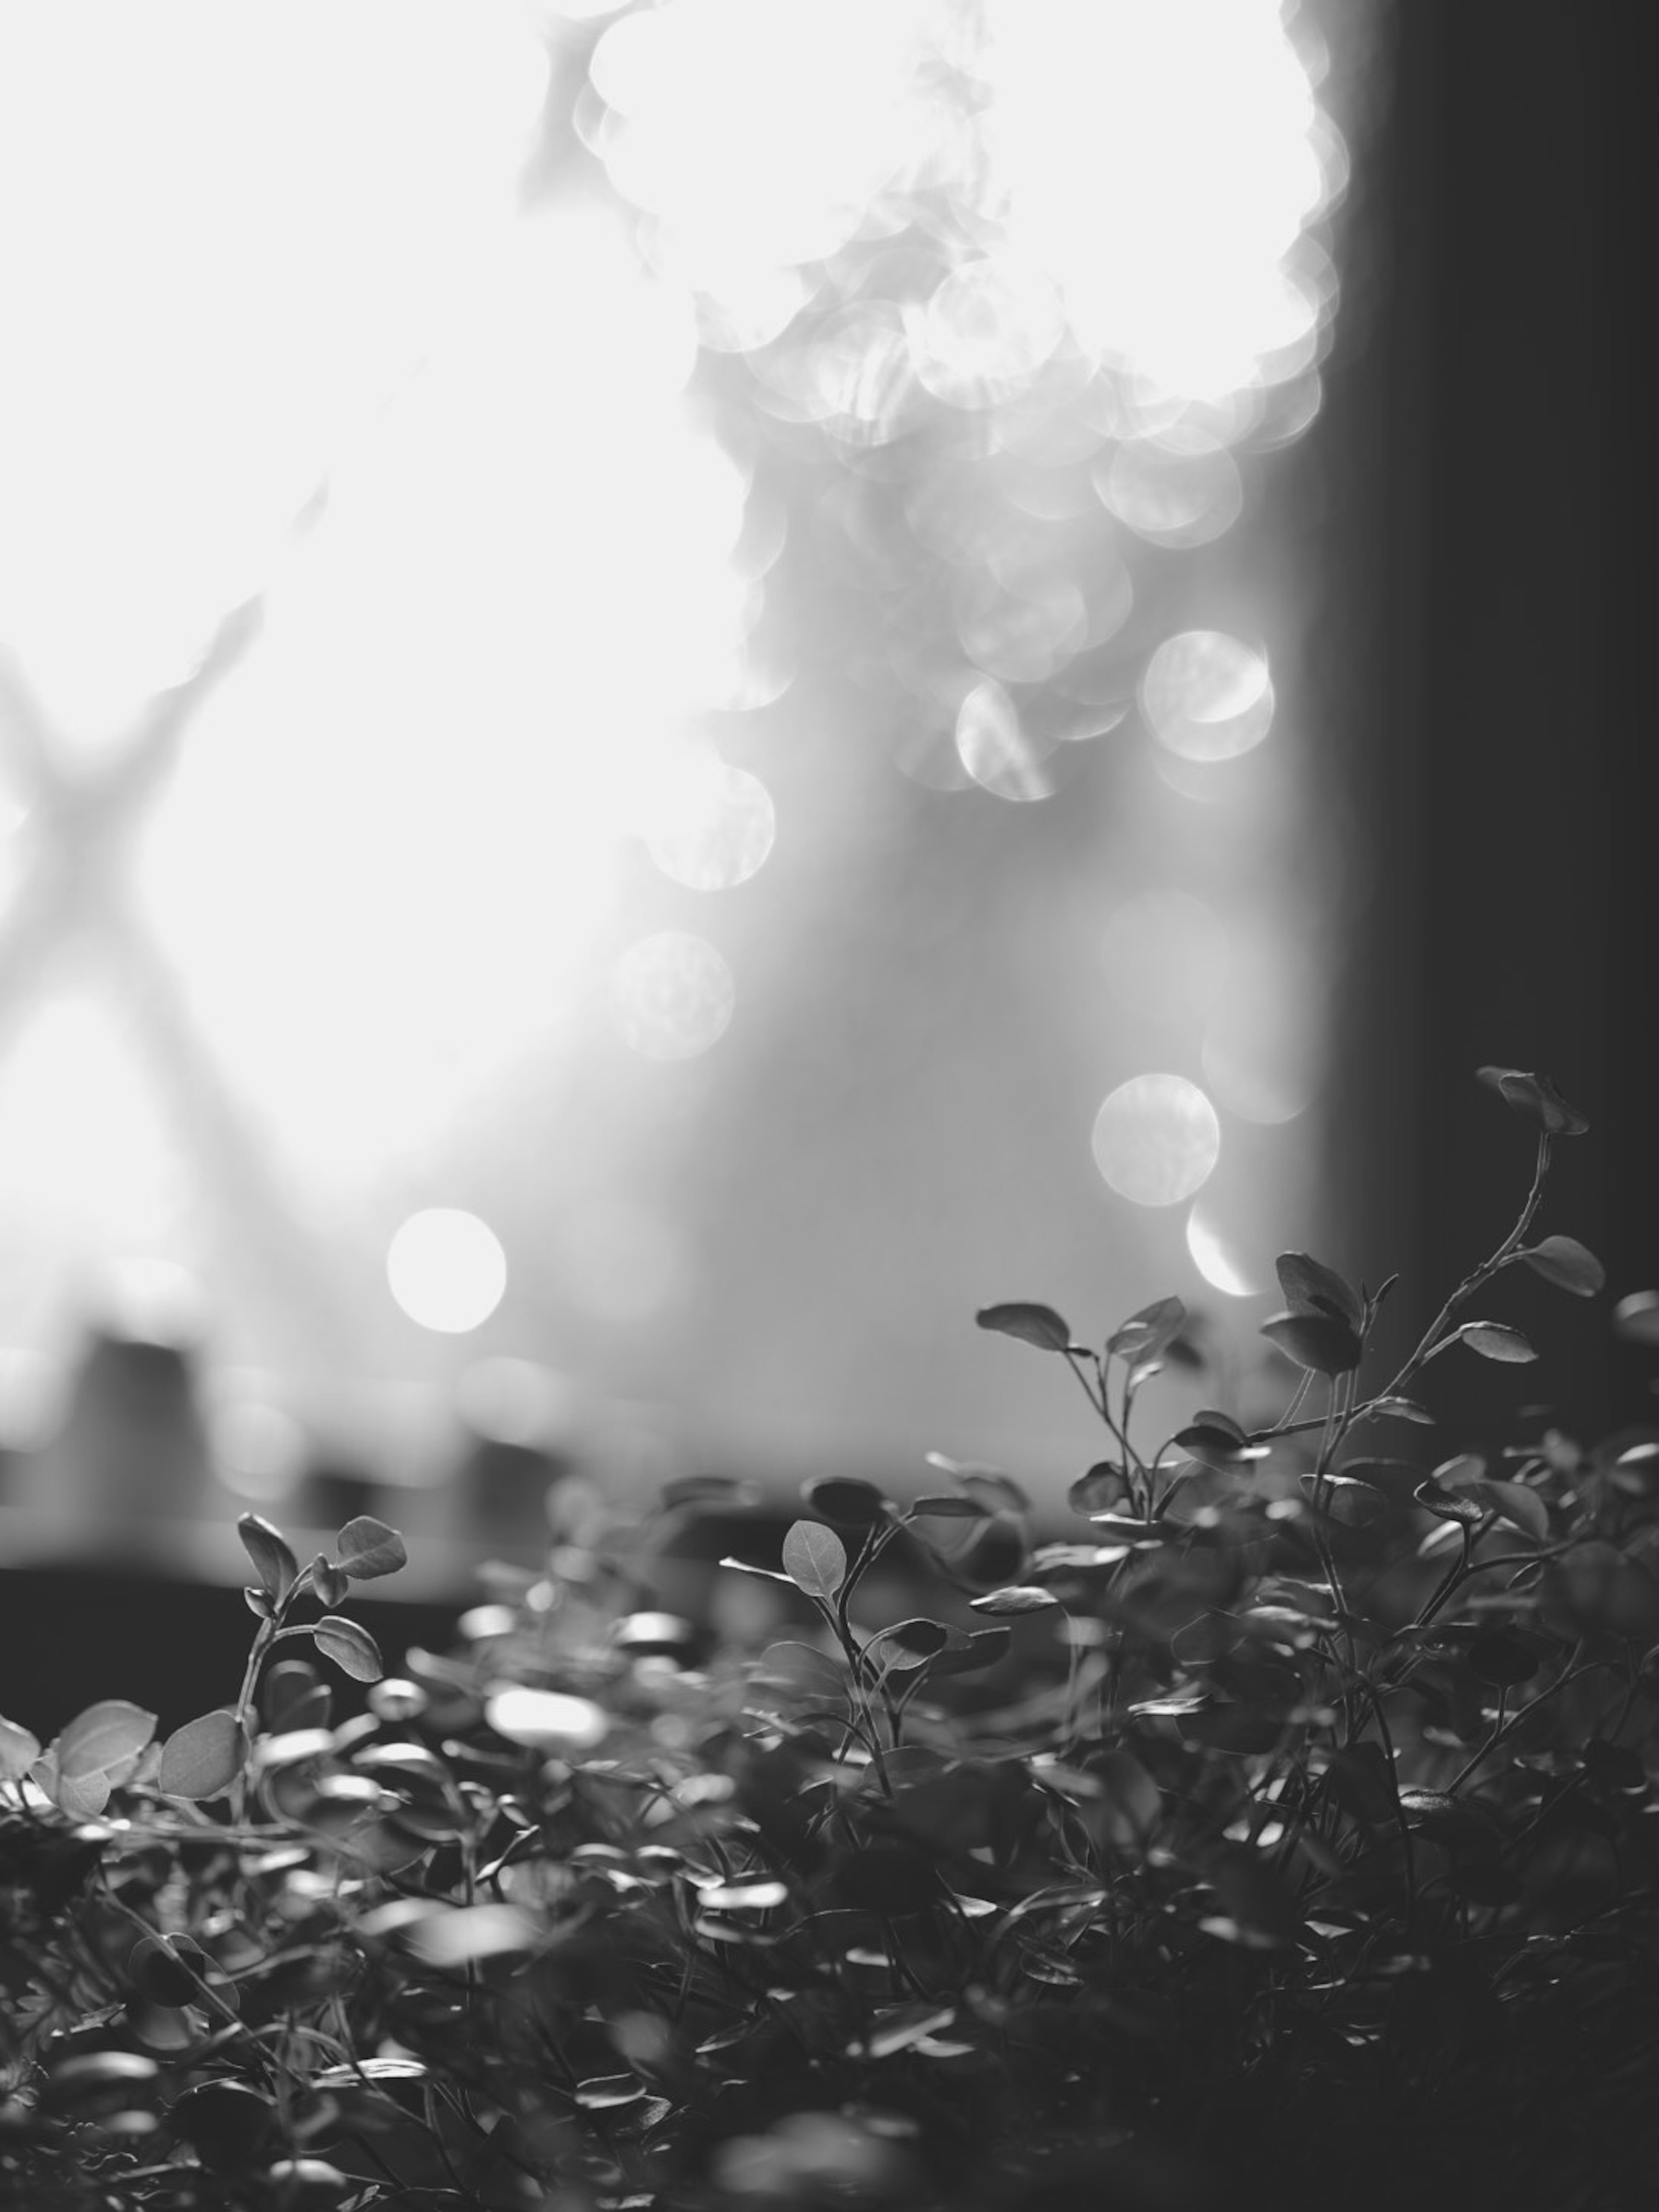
point(1144, 169)
point(671, 996)
point(1214, 1260)
point(1207, 697)
point(1161, 158)
point(1157, 1139)
point(756, 133)
point(418, 800)
point(446, 1269)
point(709, 826)
point(199, 313)
point(995, 747)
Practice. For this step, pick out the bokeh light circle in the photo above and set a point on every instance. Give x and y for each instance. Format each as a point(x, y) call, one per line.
point(1157, 1139)
point(996, 748)
point(1206, 696)
point(446, 1269)
point(671, 996)
point(1214, 1257)
point(711, 827)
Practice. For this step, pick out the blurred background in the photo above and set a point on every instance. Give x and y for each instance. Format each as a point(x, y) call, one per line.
point(686, 688)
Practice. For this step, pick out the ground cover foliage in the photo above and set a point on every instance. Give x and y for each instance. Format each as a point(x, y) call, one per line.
point(1286, 1836)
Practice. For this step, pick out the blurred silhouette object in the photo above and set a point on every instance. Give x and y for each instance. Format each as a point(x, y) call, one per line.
point(129, 1460)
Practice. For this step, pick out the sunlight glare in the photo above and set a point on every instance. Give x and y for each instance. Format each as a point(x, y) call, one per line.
point(1207, 697)
point(1214, 1260)
point(1157, 1139)
point(447, 1270)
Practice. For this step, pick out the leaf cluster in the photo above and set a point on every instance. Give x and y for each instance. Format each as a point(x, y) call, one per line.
point(1294, 1816)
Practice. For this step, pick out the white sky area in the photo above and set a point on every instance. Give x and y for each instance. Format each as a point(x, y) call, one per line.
point(275, 321)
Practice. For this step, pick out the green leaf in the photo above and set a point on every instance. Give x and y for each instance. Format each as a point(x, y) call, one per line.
point(1448, 1505)
point(1313, 1290)
point(1404, 1409)
point(295, 1696)
point(18, 1751)
point(1568, 1264)
point(1349, 1500)
point(1103, 1487)
point(330, 1582)
point(1492, 1339)
point(1021, 1597)
point(845, 1500)
point(1637, 1317)
point(1032, 1324)
point(1503, 1657)
point(1536, 1100)
point(351, 1647)
point(815, 1558)
point(106, 1736)
point(946, 1507)
point(204, 1756)
point(913, 1643)
point(158, 1972)
point(368, 1549)
point(1361, 1780)
point(226, 2123)
point(1319, 1341)
point(274, 1562)
point(1148, 1333)
point(1215, 1438)
point(1513, 1502)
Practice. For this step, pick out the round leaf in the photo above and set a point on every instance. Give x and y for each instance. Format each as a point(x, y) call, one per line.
point(1022, 1597)
point(351, 1647)
point(1312, 1289)
point(1536, 1100)
point(159, 1974)
point(204, 1756)
point(947, 1508)
point(273, 1559)
point(815, 1558)
point(1493, 1339)
point(18, 1751)
point(1637, 1317)
point(1568, 1264)
point(1503, 1657)
point(1032, 1324)
point(1148, 1332)
point(845, 1500)
point(328, 1580)
point(1103, 1487)
point(226, 2123)
point(110, 1734)
point(1320, 1342)
point(1449, 1504)
point(1513, 1502)
point(368, 1549)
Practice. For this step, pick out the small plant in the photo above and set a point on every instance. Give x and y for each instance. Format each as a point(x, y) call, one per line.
point(1288, 1837)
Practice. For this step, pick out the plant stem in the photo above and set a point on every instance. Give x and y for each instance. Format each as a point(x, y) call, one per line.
point(1483, 1273)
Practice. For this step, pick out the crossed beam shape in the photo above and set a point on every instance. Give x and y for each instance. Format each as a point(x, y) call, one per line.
point(85, 821)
